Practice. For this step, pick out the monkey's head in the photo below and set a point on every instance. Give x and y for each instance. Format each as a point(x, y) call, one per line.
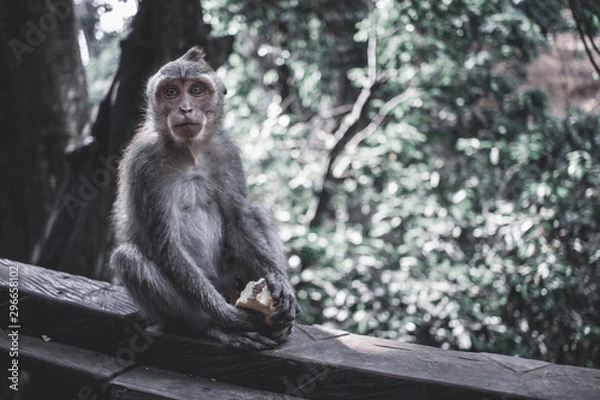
point(185, 98)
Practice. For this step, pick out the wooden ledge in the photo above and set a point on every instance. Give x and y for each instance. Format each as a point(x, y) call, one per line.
point(97, 318)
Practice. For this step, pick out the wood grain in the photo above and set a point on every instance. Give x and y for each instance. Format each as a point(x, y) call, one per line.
point(315, 363)
point(78, 373)
point(148, 383)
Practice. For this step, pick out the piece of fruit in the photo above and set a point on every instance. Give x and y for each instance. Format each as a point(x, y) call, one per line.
point(257, 296)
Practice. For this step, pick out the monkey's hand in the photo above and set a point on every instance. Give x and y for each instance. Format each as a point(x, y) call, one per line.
point(281, 334)
point(282, 292)
point(246, 319)
point(266, 333)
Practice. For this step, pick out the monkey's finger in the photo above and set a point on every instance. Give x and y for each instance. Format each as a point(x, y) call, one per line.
point(285, 313)
point(276, 288)
point(276, 292)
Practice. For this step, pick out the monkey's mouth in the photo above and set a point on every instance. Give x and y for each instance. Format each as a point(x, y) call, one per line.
point(187, 124)
point(187, 129)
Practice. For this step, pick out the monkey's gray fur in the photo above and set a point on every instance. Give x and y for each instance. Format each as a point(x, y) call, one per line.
point(185, 231)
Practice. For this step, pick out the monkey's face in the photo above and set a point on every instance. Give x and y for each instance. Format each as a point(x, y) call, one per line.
point(187, 108)
point(185, 98)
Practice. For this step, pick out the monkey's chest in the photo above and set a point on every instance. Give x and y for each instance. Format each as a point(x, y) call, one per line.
point(196, 196)
point(199, 220)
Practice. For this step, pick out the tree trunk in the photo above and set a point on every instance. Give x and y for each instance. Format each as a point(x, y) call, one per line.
point(43, 104)
point(77, 236)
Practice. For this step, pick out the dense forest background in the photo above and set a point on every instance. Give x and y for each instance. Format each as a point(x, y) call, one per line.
point(433, 166)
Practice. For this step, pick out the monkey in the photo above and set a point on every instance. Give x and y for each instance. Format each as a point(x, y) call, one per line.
point(186, 235)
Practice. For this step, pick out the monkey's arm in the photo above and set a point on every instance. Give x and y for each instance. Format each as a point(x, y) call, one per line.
point(254, 239)
point(251, 236)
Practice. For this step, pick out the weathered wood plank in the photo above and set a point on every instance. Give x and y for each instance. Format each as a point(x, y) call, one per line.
point(74, 372)
point(86, 374)
point(71, 309)
point(36, 354)
point(297, 368)
point(315, 363)
point(148, 383)
point(56, 285)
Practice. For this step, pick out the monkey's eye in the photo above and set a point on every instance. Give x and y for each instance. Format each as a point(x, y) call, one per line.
point(196, 90)
point(171, 91)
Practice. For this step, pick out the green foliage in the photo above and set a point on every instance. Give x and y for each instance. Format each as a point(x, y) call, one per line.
point(101, 68)
point(469, 217)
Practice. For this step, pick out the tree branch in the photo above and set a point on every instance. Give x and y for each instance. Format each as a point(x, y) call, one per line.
point(575, 6)
point(348, 127)
point(352, 144)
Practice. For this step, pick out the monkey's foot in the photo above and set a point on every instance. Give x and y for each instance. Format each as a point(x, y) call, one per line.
point(243, 340)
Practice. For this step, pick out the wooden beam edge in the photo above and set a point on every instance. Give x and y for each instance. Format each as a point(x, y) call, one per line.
point(490, 373)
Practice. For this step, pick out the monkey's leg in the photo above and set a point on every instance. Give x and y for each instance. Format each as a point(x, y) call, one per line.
point(144, 282)
point(162, 303)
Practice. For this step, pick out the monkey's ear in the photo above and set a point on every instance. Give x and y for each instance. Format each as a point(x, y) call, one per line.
point(194, 54)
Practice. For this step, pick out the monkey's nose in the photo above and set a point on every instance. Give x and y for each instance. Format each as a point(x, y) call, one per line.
point(186, 110)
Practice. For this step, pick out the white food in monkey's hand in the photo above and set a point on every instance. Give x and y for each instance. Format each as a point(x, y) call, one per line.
point(257, 296)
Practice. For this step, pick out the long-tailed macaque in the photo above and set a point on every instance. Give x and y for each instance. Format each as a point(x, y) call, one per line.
point(186, 235)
